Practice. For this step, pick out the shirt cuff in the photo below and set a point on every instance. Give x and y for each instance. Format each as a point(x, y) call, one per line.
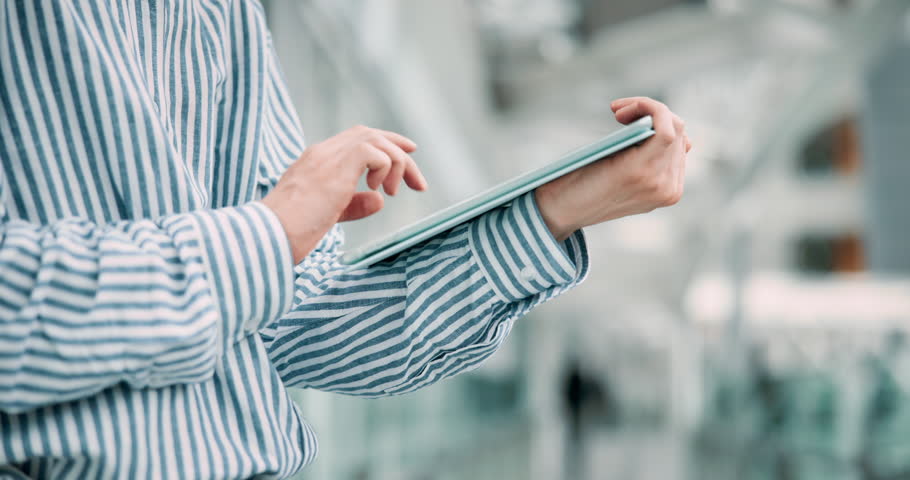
point(249, 266)
point(518, 254)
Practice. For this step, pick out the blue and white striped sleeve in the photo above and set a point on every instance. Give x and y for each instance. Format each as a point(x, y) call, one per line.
point(152, 303)
point(436, 310)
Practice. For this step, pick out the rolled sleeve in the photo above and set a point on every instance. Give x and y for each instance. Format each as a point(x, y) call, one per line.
point(520, 257)
point(437, 309)
point(249, 267)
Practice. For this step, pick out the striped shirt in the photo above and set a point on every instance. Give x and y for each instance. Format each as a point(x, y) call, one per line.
point(151, 317)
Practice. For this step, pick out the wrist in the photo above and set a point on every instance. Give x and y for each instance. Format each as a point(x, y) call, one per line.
point(553, 215)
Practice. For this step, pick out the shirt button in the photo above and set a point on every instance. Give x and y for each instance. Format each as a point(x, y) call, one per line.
point(527, 273)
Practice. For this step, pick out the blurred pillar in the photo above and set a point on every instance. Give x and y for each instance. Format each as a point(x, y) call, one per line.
point(886, 146)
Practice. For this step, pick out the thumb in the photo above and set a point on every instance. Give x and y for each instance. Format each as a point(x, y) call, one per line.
point(363, 204)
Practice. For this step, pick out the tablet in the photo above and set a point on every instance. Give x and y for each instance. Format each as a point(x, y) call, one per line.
point(499, 195)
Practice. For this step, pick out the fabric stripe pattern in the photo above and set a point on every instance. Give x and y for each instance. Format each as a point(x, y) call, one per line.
point(151, 317)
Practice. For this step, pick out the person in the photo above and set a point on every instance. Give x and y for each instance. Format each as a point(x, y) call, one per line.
point(169, 248)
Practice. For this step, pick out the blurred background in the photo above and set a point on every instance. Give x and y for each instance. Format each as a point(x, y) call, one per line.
point(757, 330)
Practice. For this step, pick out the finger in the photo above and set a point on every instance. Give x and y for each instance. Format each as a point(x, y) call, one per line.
point(664, 129)
point(363, 204)
point(679, 124)
point(414, 178)
point(390, 184)
point(681, 178)
point(681, 158)
point(400, 161)
point(639, 107)
point(401, 141)
point(624, 102)
point(620, 103)
point(377, 162)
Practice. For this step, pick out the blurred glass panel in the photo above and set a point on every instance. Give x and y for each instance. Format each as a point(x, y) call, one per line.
point(736, 335)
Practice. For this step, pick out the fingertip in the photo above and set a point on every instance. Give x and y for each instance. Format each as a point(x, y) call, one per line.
point(620, 103)
point(400, 140)
point(414, 178)
point(624, 114)
point(376, 204)
point(371, 202)
point(416, 184)
point(362, 205)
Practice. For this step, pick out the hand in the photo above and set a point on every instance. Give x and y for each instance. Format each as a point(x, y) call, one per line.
point(320, 188)
point(636, 180)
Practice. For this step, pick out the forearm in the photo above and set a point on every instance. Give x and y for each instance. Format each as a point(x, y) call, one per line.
point(435, 310)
